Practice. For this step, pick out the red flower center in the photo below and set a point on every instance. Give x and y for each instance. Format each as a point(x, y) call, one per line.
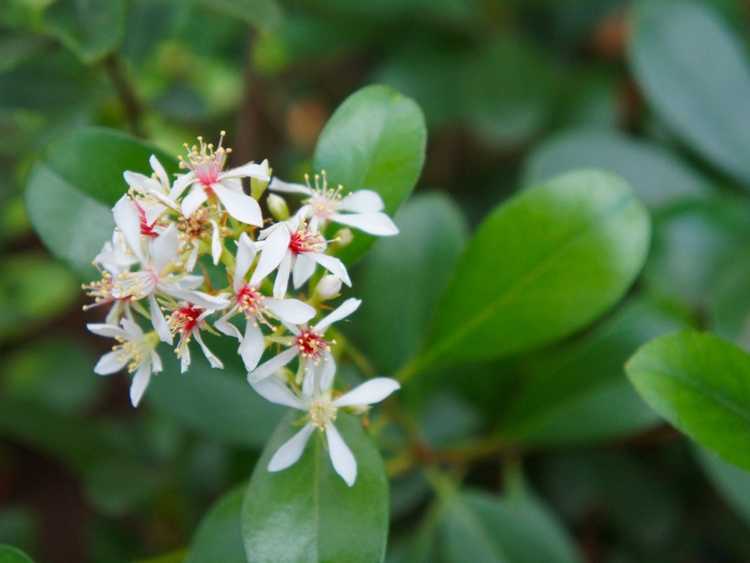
point(146, 229)
point(311, 344)
point(185, 319)
point(249, 299)
point(303, 241)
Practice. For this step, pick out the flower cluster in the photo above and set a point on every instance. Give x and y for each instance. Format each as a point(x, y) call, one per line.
point(154, 273)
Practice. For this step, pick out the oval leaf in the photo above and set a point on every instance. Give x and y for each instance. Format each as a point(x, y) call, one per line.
point(219, 536)
point(701, 385)
point(541, 266)
point(692, 84)
point(9, 554)
point(307, 514)
point(375, 140)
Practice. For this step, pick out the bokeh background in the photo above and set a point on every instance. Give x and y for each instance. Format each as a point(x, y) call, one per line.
point(513, 92)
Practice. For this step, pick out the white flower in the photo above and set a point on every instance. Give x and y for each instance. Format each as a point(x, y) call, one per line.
point(362, 209)
point(321, 408)
point(134, 349)
point(309, 343)
point(294, 248)
point(155, 258)
point(156, 187)
point(207, 179)
point(187, 321)
point(249, 301)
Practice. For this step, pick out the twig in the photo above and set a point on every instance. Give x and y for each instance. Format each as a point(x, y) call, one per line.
point(126, 93)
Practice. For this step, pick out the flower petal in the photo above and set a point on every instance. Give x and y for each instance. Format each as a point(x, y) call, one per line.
point(224, 326)
point(210, 356)
point(157, 319)
point(161, 174)
point(107, 330)
point(273, 365)
point(362, 201)
point(110, 363)
point(141, 183)
point(129, 223)
point(195, 198)
point(370, 392)
point(333, 265)
point(278, 185)
point(304, 267)
point(140, 382)
point(288, 454)
point(340, 312)
point(341, 456)
point(216, 247)
point(378, 224)
point(182, 182)
point(274, 390)
point(251, 346)
point(323, 371)
point(275, 248)
point(239, 205)
point(245, 257)
point(249, 170)
point(290, 310)
point(164, 248)
point(282, 277)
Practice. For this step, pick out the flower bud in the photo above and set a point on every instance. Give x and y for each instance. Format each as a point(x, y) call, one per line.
point(328, 287)
point(277, 206)
point(258, 187)
point(344, 237)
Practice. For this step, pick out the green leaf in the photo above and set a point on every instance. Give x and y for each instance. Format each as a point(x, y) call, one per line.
point(475, 526)
point(729, 309)
point(10, 554)
point(306, 513)
point(70, 191)
point(228, 410)
point(541, 266)
point(695, 74)
point(432, 236)
point(733, 483)
point(219, 535)
point(578, 393)
point(90, 28)
point(701, 385)
point(657, 177)
point(264, 14)
point(375, 140)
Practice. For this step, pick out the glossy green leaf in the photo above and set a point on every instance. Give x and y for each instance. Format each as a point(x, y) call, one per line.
point(375, 140)
point(578, 393)
point(9, 554)
point(695, 74)
point(264, 14)
point(657, 176)
point(432, 236)
point(732, 482)
point(701, 385)
point(307, 514)
point(475, 526)
point(70, 191)
point(540, 266)
point(90, 28)
point(729, 306)
point(219, 535)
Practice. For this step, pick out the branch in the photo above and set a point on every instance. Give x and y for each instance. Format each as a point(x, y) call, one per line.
point(126, 93)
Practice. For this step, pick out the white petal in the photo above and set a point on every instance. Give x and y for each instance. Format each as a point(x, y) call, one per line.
point(182, 182)
point(132, 330)
point(321, 374)
point(224, 326)
point(160, 172)
point(291, 450)
point(275, 248)
point(282, 277)
point(156, 365)
point(210, 356)
point(274, 390)
point(378, 224)
point(273, 365)
point(140, 381)
point(111, 362)
point(340, 312)
point(239, 205)
point(333, 265)
point(200, 298)
point(195, 198)
point(108, 330)
point(192, 258)
point(372, 391)
point(129, 223)
point(278, 185)
point(141, 183)
point(245, 257)
point(251, 346)
point(362, 201)
point(190, 282)
point(157, 319)
point(216, 246)
point(184, 357)
point(327, 370)
point(249, 170)
point(164, 248)
point(290, 310)
point(341, 456)
point(304, 267)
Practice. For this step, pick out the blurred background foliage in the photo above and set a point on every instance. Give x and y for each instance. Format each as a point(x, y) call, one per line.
point(513, 92)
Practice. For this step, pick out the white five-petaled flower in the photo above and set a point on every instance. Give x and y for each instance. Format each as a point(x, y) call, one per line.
point(187, 321)
point(256, 307)
point(362, 209)
point(156, 187)
point(317, 401)
point(134, 349)
point(207, 178)
point(309, 344)
point(294, 248)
